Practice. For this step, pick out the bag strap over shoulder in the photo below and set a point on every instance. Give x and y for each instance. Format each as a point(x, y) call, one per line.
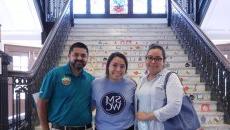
point(165, 83)
point(167, 78)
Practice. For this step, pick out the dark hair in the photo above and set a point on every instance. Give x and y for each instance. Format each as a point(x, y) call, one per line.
point(78, 45)
point(111, 57)
point(155, 46)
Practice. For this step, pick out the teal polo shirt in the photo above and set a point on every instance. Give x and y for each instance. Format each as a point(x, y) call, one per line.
point(68, 96)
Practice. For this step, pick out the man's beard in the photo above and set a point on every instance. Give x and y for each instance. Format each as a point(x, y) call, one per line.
point(78, 64)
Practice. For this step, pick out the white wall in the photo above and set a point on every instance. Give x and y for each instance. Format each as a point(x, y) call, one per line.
point(216, 23)
point(20, 23)
point(1, 46)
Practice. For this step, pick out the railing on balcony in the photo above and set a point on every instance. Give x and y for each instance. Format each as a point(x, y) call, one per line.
point(21, 85)
point(210, 63)
point(48, 12)
point(195, 9)
point(201, 10)
point(189, 7)
point(53, 9)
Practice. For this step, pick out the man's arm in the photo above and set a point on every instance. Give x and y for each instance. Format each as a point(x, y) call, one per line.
point(42, 113)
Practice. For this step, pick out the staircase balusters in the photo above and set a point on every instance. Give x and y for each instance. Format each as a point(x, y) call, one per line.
point(23, 111)
point(213, 67)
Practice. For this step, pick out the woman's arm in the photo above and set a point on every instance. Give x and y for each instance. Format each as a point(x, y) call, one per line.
point(174, 93)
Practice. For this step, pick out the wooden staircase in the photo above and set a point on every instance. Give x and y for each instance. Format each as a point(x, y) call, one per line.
point(133, 41)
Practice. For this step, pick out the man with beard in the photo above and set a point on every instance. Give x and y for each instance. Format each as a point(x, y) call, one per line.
point(64, 97)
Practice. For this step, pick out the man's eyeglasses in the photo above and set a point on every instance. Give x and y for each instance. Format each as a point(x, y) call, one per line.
point(151, 58)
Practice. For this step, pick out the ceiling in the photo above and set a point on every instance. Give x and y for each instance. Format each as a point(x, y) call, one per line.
point(216, 23)
point(19, 22)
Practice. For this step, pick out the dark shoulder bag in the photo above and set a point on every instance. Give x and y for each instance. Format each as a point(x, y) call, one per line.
point(187, 118)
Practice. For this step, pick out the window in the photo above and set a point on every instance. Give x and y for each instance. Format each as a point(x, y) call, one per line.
point(118, 6)
point(97, 6)
point(79, 7)
point(140, 6)
point(158, 6)
point(20, 63)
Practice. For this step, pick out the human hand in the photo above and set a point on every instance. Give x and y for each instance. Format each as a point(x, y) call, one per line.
point(144, 116)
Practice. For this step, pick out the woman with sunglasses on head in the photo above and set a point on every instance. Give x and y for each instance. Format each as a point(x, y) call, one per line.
point(113, 96)
point(151, 95)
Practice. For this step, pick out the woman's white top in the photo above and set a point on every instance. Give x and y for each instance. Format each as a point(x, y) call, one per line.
point(150, 96)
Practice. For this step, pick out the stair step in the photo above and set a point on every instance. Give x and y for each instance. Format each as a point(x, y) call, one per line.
point(205, 106)
point(125, 42)
point(189, 78)
point(95, 70)
point(207, 118)
point(194, 87)
point(132, 65)
point(102, 59)
point(128, 48)
point(121, 26)
point(122, 38)
point(216, 127)
point(200, 96)
point(122, 30)
point(141, 65)
point(183, 70)
point(119, 34)
point(178, 64)
point(128, 53)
